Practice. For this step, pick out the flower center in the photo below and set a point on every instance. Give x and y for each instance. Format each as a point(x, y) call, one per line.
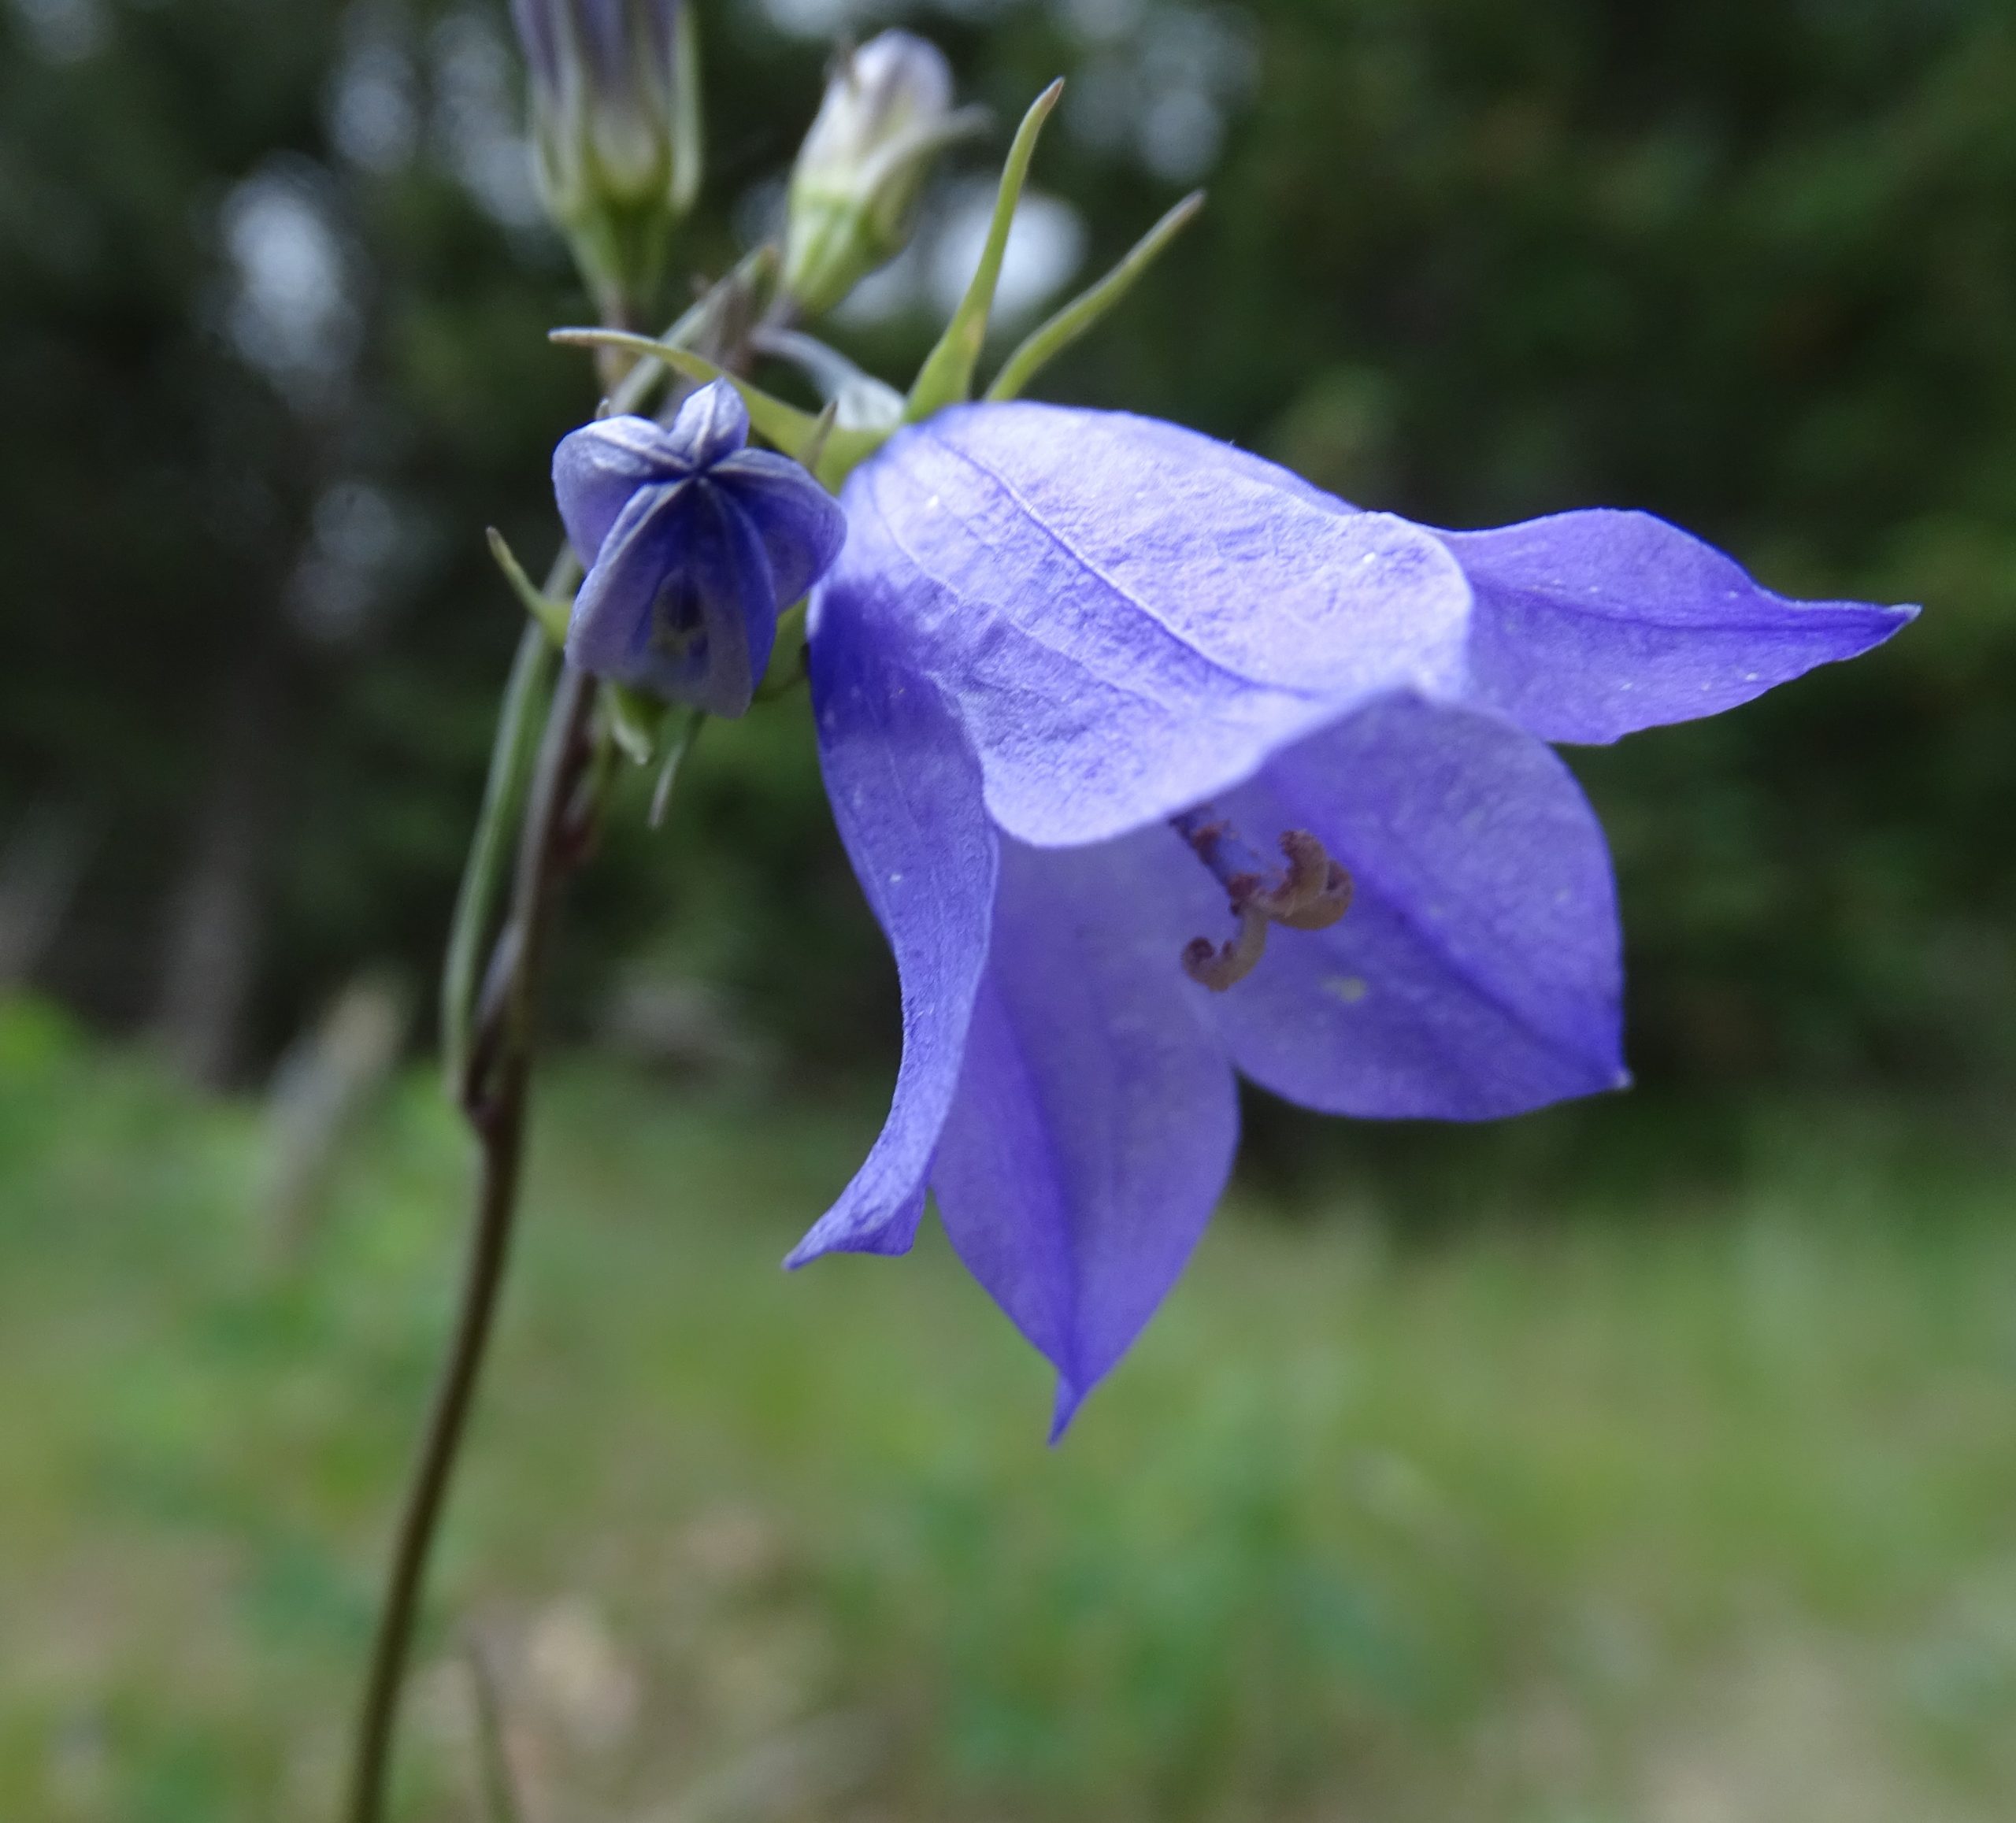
point(678, 627)
point(1310, 893)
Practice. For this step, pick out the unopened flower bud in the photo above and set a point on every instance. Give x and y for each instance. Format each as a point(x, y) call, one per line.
point(616, 130)
point(694, 543)
point(887, 111)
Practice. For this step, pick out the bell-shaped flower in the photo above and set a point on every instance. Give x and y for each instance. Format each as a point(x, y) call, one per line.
point(694, 543)
point(1159, 764)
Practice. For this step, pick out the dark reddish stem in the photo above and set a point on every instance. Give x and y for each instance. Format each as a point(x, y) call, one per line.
point(495, 1094)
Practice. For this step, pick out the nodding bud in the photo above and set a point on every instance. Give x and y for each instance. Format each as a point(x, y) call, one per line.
point(695, 544)
point(616, 131)
point(886, 113)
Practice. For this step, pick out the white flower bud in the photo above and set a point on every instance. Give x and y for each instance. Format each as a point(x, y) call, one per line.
point(886, 112)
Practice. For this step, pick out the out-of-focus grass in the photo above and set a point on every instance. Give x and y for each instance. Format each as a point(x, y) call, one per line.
point(1679, 1513)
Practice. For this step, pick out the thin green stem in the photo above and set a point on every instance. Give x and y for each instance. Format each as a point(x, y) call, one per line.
point(785, 425)
point(510, 756)
point(532, 676)
point(491, 1035)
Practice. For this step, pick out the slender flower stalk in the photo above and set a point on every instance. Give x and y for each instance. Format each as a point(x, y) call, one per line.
point(496, 1095)
point(698, 545)
point(491, 1028)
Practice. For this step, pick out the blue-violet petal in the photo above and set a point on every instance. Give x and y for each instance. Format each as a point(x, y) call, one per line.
point(1591, 625)
point(1127, 617)
point(906, 792)
point(1477, 973)
point(1096, 1118)
point(597, 469)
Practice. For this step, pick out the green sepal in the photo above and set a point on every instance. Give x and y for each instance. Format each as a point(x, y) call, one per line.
point(946, 377)
point(793, 432)
point(814, 452)
point(635, 721)
point(682, 729)
point(787, 669)
point(550, 614)
point(1048, 340)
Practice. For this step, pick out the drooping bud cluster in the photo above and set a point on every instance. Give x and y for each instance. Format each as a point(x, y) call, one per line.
point(616, 128)
point(886, 113)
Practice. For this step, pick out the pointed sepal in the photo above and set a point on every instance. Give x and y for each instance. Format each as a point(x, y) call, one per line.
point(634, 720)
point(550, 614)
point(1044, 343)
point(946, 377)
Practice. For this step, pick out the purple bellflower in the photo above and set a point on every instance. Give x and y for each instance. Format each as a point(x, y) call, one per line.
point(1158, 764)
point(694, 543)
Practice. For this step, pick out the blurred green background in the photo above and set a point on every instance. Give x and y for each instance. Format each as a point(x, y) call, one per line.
point(1643, 1460)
